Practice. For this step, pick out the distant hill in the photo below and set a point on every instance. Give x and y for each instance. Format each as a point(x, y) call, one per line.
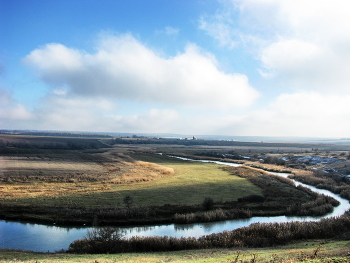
point(264, 139)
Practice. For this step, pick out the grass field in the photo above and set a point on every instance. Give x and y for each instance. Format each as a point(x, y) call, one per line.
point(316, 251)
point(65, 179)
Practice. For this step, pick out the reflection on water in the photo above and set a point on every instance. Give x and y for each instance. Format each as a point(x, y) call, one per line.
point(42, 238)
point(37, 237)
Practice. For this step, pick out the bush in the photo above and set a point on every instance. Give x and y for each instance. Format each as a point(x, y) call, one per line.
point(128, 200)
point(208, 203)
point(99, 240)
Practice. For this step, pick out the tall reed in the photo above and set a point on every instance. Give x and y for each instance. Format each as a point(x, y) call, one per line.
point(334, 184)
point(211, 216)
point(255, 235)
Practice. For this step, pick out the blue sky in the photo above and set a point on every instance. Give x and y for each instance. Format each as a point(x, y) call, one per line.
point(200, 67)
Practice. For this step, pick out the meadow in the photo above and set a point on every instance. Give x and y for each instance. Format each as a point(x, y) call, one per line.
point(315, 251)
point(79, 173)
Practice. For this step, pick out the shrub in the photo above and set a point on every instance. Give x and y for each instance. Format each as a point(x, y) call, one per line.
point(208, 203)
point(128, 200)
point(99, 240)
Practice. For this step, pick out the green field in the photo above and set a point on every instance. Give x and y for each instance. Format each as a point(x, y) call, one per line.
point(190, 184)
point(326, 251)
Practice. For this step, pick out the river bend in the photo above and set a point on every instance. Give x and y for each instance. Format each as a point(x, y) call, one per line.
point(43, 238)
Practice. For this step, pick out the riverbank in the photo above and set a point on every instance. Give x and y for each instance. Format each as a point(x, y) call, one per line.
point(336, 251)
point(112, 240)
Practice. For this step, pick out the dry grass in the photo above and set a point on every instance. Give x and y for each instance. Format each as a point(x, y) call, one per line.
point(10, 191)
point(53, 174)
point(143, 172)
point(331, 183)
point(253, 164)
point(156, 180)
point(57, 167)
point(271, 167)
point(330, 251)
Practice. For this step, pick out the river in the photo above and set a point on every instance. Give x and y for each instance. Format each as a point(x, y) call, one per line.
point(43, 238)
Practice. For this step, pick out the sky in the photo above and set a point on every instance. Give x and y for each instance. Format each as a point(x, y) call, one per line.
point(199, 67)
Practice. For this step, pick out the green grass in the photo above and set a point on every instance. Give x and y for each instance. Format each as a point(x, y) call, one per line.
point(333, 251)
point(191, 183)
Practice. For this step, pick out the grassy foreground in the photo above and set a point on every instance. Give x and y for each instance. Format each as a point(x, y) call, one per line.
point(307, 251)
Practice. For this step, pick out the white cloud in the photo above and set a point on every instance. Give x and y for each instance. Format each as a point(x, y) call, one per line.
point(300, 114)
point(288, 54)
point(306, 65)
point(305, 43)
point(11, 110)
point(310, 19)
point(169, 31)
point(124, 68)
point(220, 28)
point(60, 112)
point(154, 120)
point(53, 62)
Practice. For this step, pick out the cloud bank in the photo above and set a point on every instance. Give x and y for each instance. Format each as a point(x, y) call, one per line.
point(308, 114)
point(304, 43)
point(303, 47)
point(123, 68)
point(11, 110)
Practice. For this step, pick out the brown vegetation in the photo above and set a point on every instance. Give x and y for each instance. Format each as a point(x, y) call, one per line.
point(281, 192)
point(142, 172)
point(335, 184)
point(55, 174)
point(211, 216)
point(255, 235)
